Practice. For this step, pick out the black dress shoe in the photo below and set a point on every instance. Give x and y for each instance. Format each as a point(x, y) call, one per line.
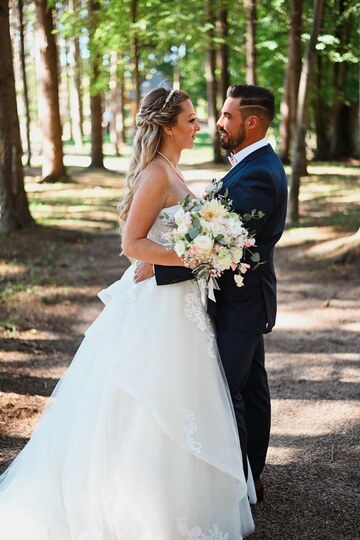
point(259, 489)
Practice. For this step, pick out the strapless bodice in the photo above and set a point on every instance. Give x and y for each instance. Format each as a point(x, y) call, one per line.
point(161, 225)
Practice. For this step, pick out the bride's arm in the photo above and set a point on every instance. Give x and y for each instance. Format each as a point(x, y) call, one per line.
point(150, 198)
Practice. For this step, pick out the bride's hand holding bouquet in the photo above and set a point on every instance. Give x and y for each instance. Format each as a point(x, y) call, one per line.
point(211, 238)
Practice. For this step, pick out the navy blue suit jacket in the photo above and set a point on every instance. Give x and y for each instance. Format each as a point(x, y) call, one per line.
point(257, 182)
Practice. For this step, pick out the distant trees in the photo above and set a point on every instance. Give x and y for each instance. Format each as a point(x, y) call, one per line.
point(250, 7)
point(298, 158)
point(291, 79)
point(14, 209)
point(108, 50)
point(48, 86)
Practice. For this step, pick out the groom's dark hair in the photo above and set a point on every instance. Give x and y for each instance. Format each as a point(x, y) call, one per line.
point(254, 100)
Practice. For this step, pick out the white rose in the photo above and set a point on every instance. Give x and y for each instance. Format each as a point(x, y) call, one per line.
point(234, 227)
point(236, 253)
point(203, 243)
point(180, 248)
point(182, 229)
point(212, 227)
point(179, 215)
point(223, 260)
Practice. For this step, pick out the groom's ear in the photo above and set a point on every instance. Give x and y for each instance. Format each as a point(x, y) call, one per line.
point(252, 122)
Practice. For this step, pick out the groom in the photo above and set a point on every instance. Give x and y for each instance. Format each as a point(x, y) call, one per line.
point(242, 315)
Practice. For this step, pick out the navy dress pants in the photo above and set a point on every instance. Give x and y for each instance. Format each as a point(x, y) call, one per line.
point(242, 356)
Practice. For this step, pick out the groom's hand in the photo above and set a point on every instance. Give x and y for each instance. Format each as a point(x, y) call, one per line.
point(143, 271)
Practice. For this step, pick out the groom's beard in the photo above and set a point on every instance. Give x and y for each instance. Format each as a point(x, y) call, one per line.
point(232, 142)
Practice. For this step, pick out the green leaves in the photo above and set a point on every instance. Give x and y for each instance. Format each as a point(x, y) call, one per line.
point(255, 257)
point(254, 214)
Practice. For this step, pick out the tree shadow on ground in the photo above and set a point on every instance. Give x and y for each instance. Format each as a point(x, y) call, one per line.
point(320, 483)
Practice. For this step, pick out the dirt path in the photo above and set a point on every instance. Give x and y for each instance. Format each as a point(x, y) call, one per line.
point(312, 475)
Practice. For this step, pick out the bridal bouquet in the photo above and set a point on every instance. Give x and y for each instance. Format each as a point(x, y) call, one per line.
point(211, 238)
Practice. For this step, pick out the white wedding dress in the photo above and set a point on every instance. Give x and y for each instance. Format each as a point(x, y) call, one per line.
point(138, 441)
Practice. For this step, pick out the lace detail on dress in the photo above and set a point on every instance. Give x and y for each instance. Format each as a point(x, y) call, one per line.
point(130, 298)
point(160, 226)
point(194, 310)
point(189, 431)
point(196, 533)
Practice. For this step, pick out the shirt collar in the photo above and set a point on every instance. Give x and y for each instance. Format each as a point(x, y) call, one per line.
point(242, 154)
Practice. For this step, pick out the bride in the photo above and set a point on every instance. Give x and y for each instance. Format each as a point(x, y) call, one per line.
point(138, 441)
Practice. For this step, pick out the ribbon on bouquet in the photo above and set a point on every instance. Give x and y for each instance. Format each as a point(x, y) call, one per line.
point(207, 288)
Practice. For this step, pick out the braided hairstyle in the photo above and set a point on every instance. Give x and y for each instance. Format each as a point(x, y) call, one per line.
point(159, 108)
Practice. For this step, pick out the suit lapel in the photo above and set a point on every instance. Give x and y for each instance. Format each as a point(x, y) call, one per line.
point(254, 155)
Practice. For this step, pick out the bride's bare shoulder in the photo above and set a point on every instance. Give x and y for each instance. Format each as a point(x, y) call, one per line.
point(155, 172)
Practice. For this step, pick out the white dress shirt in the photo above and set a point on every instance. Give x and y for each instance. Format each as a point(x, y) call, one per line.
point(239, 156)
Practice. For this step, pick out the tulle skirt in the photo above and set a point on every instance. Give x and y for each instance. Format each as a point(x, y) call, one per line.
point(138, 441)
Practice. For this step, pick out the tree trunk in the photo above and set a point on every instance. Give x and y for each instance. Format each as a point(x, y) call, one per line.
point(301, 119)
point(337, 148)
point(77, 109)
point(135, 53)
point(97, 157)
point(24, 78)
point(211, 82)
point(250, 6)
point(223, 30)
point(49, 112)
point(117, 105)
point(320, 111)
point(291, 80)
point(68, 80)
point(77, 101)
point(14, 208)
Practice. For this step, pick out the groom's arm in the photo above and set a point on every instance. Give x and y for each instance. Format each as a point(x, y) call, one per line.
point(164, 275)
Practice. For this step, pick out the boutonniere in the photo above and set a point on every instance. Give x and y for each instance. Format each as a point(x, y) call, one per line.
point(214, 187)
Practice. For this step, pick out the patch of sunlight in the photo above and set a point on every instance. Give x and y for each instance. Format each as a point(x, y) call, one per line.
point(76, 160)
point(338, 170)
point(296, 236)
point(311, 417)
point(9, 269)
point(293, 321)
point(351, 327)
point(33, 184)
point(76, 224)
point(316, 367)
point(346, 356)
point(316, 317)
point(280, 455)
point(338, 195)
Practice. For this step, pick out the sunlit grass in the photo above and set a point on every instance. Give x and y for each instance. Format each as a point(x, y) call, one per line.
point(77, 211)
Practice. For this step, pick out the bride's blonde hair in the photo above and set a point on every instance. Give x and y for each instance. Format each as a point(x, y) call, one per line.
point(159, 108)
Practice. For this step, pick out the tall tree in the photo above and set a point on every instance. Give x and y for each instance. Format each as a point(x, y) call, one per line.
point(14, 208)
point(135, 54)
point(117, 104)
point(24, 78)
point(97, 156)
point(48, 86)
point(77, 91)
point(211, 81)
point(301, 115)
point(223, 33)
point(250, 7)
point(292, 79)
point(73, 25)
point(343, 31)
